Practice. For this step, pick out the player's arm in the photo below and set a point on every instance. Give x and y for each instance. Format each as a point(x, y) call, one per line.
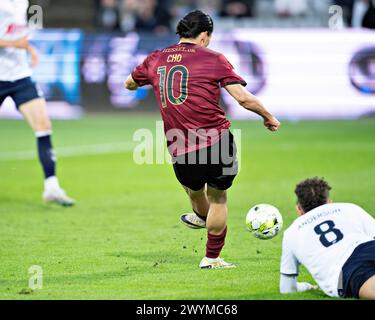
point(130, 84)
point(252, 103)
point(140, 75)
point(289, 268)
point(289, 284)
point(34, 55)
point(22, 43)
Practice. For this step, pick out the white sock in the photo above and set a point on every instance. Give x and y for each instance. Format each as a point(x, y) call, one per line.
point(51, 183)
point(40, 134)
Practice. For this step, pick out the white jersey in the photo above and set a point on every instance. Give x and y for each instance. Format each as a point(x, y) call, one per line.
point(13, 25)
point(323, 239)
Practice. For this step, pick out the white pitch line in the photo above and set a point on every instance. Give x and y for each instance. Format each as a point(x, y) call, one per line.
point(73, 151)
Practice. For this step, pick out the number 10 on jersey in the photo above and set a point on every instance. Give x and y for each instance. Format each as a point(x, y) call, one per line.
point(175, 97)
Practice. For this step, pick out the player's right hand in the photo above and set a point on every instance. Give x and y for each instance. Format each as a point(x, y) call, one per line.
point(272, 124)
point(22, 43)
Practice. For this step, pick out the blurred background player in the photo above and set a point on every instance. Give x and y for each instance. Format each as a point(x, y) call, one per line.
point(15, 82)
point(334, 241)
point(186, 78)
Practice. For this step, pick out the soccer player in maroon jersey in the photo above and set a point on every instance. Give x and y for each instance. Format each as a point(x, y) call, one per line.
point(186, 78)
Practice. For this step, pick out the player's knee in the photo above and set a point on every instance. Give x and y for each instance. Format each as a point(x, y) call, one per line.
point(219, 197)
point(196, 195)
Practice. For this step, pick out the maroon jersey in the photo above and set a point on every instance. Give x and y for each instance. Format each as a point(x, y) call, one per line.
point(186, 79)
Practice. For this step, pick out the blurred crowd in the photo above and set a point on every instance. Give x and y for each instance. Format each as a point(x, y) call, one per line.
point(358, 13)
point(157, 15)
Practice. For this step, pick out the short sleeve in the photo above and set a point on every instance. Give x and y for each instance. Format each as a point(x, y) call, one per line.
point(367, 221)
point(141, 73)
point(289, 264)
point(225, 73)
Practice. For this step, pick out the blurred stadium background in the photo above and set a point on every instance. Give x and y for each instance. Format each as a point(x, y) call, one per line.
point(301, 57)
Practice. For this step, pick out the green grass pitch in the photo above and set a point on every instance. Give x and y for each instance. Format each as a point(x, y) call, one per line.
point(124, 240)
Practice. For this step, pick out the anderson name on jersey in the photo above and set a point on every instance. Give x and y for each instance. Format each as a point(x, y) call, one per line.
point(323, 239)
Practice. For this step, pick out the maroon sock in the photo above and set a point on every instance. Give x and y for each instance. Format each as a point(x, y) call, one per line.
point(214, 244)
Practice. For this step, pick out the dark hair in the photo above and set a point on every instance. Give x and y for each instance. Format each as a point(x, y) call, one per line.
point(193, 24)
point(312, 193)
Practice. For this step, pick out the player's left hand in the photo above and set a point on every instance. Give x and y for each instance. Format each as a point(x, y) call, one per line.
point(272, 124)
point(305, 286)
point(34, 56)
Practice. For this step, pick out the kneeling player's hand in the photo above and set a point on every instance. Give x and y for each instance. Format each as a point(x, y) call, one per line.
point(305, 286)
point(272, 124)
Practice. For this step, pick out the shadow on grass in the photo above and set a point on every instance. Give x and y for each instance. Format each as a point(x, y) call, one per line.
point(158, 258)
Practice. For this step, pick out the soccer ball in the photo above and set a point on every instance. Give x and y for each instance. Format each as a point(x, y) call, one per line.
point(265, 221)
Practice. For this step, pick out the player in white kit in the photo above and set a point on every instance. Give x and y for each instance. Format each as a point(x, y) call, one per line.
point(15, 82)
point(334, 241)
